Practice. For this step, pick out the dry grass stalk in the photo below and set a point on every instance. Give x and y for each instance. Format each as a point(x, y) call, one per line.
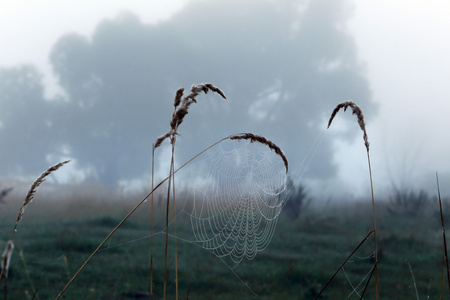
point(182, 107)
point(444, 238)
point(356, 111)
point(178, 97)
point(260, 139)
point(30, 195)
point(171, 177)
point(151, 223)
point(162, 138)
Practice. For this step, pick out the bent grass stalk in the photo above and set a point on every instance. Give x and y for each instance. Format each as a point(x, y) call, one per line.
point(444, 238)
point(30, 196)
point(262, 140)
point(241, 136)
point(358, 112)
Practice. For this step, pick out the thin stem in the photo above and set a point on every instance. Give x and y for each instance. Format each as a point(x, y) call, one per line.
point(174, 219)
point(358, 112)
point(414, 280)
point(36, 290)
point(374, 227)
point(443, 231)
point(107, 238)
point(151, 225)
point(367, 283)
point(167, 231)
point(442, 277)
point(5, 288)
point(189, 289)
point(342, 264)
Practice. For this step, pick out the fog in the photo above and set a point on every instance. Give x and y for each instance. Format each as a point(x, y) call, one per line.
point(283, 65)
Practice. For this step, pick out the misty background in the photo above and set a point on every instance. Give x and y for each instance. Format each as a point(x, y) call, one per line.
point(283, 65)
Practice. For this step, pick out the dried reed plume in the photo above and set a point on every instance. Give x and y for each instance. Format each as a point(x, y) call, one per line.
point(30, 196)
point(356, 111)
point(182, 106)
point(260, 139)
point(6, 257)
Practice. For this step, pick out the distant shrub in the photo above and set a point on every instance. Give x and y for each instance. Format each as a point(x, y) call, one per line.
point(407, 203)
point(4, 193)
point(297, 200)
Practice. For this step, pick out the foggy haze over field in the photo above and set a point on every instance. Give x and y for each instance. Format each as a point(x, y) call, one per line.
point(283, 66)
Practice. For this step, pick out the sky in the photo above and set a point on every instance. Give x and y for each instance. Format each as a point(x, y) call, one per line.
point(400, 47)
point(403, 44)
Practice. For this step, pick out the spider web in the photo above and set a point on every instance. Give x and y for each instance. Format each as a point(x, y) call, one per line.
point(237, 201)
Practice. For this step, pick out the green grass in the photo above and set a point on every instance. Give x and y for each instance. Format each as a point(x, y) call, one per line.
point(300, 259)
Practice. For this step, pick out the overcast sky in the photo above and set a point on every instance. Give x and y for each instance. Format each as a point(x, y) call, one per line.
point(401, 46)
point(404, 46)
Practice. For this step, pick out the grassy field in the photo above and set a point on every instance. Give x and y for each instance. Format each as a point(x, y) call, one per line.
point(56, 236)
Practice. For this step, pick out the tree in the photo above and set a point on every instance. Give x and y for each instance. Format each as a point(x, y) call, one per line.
point(297, 199)
point(27, 132)
point(282, 64)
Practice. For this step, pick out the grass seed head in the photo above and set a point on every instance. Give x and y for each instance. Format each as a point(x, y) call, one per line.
point(161, 139)
point(30, 195)
point(182, 107)
point(356, 111)
point(263, 140)
point(178, 97)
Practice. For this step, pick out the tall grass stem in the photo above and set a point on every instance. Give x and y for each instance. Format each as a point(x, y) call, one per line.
point(443, 231)
point(151, 223)
point(356, 110)
point(374, 226)
point(167, 233)
point(174, 219)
